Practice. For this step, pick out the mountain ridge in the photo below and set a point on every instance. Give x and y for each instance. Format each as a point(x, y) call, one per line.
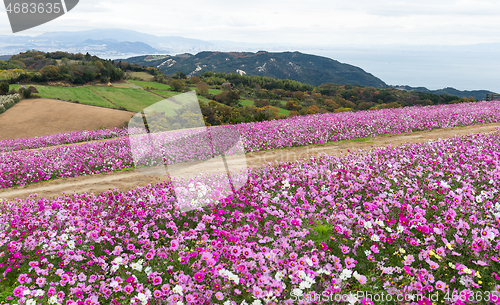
point(306, 68)
point(477, 94)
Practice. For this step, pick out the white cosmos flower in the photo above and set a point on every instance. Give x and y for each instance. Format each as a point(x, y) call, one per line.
point(178, 289)
point(305, 285)
point(346, 274)
point(136, 266)
point(310, 279)
point(279, 276)
point(297, 292)
point(118, 260)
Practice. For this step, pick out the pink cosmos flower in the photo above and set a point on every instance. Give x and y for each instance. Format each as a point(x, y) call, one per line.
point(440, 285)
point(128, 289)
point(257, 292)
point(366, 301)
point(350, 263)
point(22, 278)
point(362, 280)
point(157, 280)
point(219, 295)
point(174, 245)
point(199, 276)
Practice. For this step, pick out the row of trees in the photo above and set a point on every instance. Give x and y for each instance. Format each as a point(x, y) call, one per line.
point(64, 66)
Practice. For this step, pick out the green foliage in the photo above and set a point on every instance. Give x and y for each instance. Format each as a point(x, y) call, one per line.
point(179, 75)
point(320, 232)
point(177, 85)
point(6, 292)
point(63, 66)
point(4, 88)
point(26, 92)
point(229, 98)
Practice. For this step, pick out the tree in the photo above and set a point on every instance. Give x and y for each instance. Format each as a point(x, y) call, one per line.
point(229, 98)
point(195, 79)
point(51, 72)
point(177, 85)
point(202, 88)
point(4, 88)
point(331, 105)
point(365, 105)
point(179, 75)
point(26, 92)
point(293, 105)
point(261, 103)
point(299, 95)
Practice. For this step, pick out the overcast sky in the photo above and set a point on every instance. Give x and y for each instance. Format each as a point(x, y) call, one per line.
point(314, 22)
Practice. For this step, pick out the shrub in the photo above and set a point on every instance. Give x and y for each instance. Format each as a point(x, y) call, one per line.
point(177, 85)
point(26, 93)
point(4, 88)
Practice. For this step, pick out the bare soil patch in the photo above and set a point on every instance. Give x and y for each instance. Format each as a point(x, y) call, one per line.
point(130, 179)
point(41, 117)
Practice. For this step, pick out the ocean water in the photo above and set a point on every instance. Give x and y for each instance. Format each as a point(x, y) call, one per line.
point(463, 68)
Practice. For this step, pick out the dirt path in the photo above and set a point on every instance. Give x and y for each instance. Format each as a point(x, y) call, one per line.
point(130, 179)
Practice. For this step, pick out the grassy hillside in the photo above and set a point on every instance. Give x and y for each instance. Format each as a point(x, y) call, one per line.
point(84, 95)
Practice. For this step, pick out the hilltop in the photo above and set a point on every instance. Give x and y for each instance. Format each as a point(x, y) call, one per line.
point(477, 94)
point(305, 68)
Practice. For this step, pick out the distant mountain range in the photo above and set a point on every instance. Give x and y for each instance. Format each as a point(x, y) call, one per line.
point(310, 69)
point(477, 94)
point(105, 43)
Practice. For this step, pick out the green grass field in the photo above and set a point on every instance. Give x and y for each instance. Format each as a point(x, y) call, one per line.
point(84, 95)
point(214, 91)
point(131, 99)
point(143, 75)
point(285, 112)
point(166, 94)
point(150, 84)
point(246, 103)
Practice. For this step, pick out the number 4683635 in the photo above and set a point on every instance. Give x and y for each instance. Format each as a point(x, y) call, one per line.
point(34, 8)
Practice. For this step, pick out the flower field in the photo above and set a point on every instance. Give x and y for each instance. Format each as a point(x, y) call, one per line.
point(29, 166)
point(60, 139)
point(418, 220)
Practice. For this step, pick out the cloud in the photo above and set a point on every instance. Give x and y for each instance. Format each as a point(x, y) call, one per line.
point(312, 22)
